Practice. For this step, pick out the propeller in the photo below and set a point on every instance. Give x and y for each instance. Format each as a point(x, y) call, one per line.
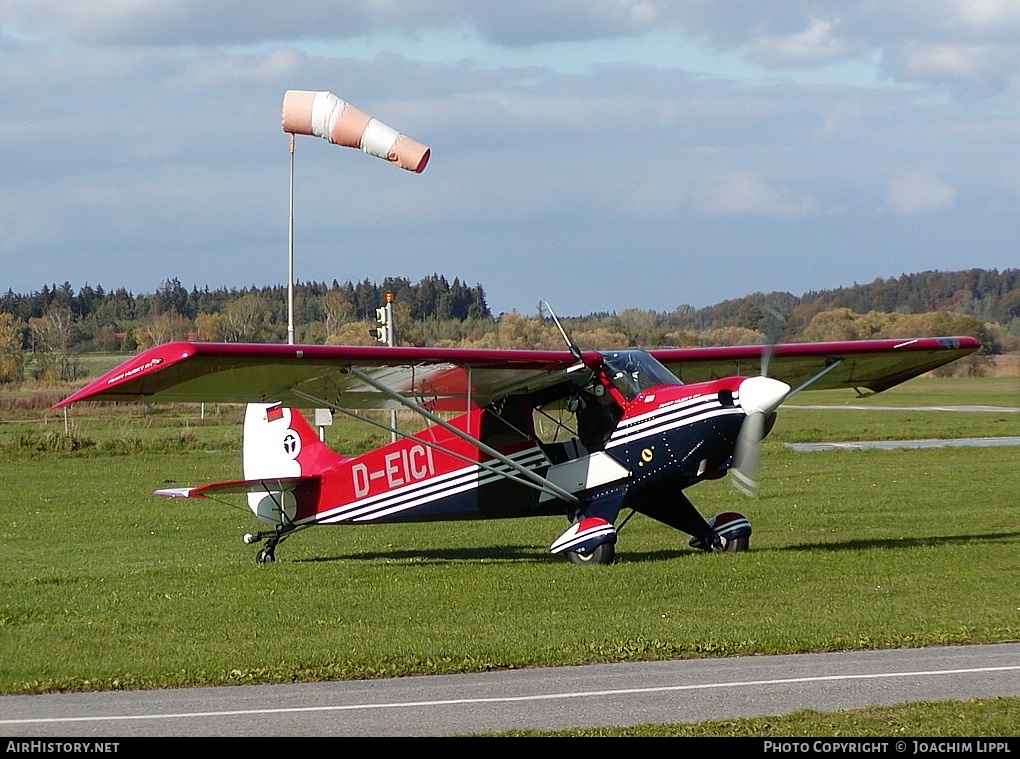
point(759, 397)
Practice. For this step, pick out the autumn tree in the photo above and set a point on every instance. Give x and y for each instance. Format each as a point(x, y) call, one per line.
point(681, 338)
point(337, 310)
point(352, 333)
point(517, 332)
point(933, 324)
point(209, 327)
point(12, 358)
point(731, 336)
point(164, 328)
point(246, 320)
point(50, 336)
point(599, 338)
point(842, 324)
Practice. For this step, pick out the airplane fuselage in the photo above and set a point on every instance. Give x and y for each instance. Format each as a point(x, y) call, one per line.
point(671, 434)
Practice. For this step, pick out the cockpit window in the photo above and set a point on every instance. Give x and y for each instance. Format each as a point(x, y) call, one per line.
point(634, 371)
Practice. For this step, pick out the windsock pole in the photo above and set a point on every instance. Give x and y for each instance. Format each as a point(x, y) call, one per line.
point(323, 114)
point(290, 252)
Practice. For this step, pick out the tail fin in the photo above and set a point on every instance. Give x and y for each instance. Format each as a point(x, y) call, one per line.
point(279, 443)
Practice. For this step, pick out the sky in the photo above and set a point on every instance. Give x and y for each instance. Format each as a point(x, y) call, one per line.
point(599, 155)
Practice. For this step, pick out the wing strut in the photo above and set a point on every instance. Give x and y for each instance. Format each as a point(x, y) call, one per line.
point(442, 449)
point(817, 377)
point(543, 483)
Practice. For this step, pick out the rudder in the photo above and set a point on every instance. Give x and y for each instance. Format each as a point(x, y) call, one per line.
point(279, 442)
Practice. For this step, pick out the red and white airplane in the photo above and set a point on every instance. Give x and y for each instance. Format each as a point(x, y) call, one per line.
point(631, 430)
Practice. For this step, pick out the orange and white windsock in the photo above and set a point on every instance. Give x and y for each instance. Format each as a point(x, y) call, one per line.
point(324, 115)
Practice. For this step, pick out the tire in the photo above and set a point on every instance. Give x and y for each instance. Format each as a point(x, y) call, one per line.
point(604, 553)
point(265, 556)
point(737, 545)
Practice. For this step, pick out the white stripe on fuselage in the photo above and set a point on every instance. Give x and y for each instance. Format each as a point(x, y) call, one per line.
point(670, 417)
point(422, 493)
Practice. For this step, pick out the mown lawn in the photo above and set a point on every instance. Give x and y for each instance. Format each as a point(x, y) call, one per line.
point(103, 585)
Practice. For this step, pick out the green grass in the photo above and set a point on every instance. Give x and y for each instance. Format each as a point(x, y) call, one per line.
point(800, 423)
point(928, 391)
point(796, 425)
point(104, 586)
point(988, 718)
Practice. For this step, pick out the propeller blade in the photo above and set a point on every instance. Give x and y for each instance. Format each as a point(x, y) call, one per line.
point(773, 328)
point(759, 397)
point(766, 358)
point(745, 455)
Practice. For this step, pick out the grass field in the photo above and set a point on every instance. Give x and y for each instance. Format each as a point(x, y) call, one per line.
point(986, 718)
point(104, 586)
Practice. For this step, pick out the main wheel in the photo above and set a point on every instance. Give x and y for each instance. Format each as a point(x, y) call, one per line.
point(604, 553)
point(736, 545)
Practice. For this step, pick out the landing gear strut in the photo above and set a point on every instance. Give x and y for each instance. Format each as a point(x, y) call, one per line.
point(273, 538)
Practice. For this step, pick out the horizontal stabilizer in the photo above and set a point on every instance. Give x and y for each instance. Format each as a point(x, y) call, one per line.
point(269, 485)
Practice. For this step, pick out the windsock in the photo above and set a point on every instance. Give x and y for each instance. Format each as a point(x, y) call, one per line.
point(324, 115)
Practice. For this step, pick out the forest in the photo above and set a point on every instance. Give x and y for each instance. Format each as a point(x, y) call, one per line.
point(43, 333)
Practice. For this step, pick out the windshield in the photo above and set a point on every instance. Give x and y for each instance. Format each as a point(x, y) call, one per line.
point(634, 371)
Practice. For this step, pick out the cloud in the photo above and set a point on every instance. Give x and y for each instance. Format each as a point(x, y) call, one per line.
point(745, 192)
point(918, 191)
point(238, 22)
point(937, 42)
point(992, 68)
point(214, 70)
point(816, 45)
point(140, 140)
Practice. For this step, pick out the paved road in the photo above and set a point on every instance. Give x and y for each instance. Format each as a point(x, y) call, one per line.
point(862, 407)
point(546, 699)
point(888, 445)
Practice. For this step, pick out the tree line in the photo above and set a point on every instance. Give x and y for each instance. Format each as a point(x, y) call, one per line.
point(41, 333)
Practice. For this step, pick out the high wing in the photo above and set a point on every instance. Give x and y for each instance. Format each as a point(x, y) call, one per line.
point(875, 365)
point(460, 379)
point(304, 376)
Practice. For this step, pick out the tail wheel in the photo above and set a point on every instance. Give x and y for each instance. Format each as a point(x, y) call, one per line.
point(604, 553)
point(265, 556)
